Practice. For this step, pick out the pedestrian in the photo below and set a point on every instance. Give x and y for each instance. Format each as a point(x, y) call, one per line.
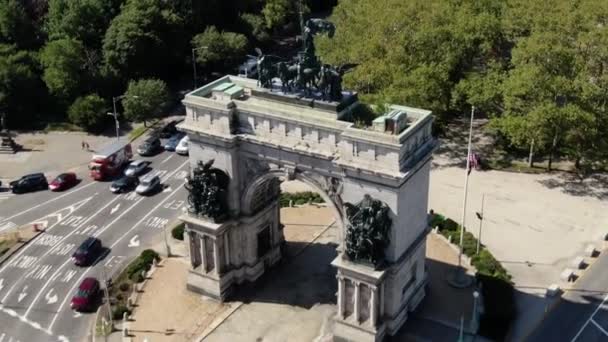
point(82, 144)
point(86, 145)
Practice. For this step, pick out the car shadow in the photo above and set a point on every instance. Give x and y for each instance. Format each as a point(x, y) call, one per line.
point(105, 251)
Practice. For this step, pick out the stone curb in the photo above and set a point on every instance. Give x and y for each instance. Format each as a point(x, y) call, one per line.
point(17, 247)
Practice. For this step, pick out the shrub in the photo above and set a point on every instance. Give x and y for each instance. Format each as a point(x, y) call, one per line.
point(119, 297)
point(178, 232)
point(148, 255)
point(299, 198)
point(449, 224)
point(487, 265)
point(142, 263)
point(88, 112)
point(118, 312)
point(437, 221)
point(499, 307)
point(124, 287)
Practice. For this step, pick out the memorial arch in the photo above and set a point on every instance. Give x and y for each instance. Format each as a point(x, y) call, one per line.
point(375, 179)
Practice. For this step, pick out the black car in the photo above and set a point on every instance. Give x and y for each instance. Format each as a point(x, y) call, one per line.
point(86, 253)
point(124, 184)
point(27, 183)
point(169, 129)
point(149, 147)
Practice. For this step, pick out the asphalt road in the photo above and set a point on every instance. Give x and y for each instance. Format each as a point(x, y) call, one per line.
point(37, 283)
point(582, 313)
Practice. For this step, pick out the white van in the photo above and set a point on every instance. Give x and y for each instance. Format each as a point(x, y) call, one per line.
point(182, 147)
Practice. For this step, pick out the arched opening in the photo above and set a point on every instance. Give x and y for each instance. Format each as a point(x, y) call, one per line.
point(303, 285)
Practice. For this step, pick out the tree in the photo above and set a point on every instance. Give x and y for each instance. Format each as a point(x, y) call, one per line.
point(83, 20)
point(63, 63)
point(275, 13)
point(88, 112)
point(15, 26)
point(21, 90)
point(145, 99)
point(219, 49)
point(143, 40)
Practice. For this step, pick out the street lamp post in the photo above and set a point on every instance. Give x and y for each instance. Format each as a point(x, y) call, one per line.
point(106, 292)
point(115, 114)
point(474, 321)
point(164, 232)
point(194, 63)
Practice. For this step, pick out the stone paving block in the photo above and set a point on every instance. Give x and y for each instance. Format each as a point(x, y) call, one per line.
point(590, 251)
point(567, 275)
point(578, 262)
point(553, 290)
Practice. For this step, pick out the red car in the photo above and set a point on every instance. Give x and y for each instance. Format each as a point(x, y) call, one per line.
point(86, 296)
point(63, 181)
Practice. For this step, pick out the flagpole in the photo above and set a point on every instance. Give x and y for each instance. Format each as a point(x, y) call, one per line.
point(466, 188)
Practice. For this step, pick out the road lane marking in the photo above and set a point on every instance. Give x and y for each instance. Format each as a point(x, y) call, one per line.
point(114, 209)
point(1, 283)
point(167, 189)
point(31, 306)
point(156, 222)
point(7, 225)
point(590, 319)
point(22, 295)
point(167, 159)
point(49, 201)
point(50, 299)
point(50, 327)
point(134, 242)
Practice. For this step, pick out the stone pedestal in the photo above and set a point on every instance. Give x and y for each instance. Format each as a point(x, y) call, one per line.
point(7, 144)
point(360, 302)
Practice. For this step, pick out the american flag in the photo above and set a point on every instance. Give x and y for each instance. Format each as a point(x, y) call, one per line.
point(473, 162)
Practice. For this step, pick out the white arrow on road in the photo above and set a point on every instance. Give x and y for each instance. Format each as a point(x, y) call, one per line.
point(51, 299)
point(167, 189)
point(114, 209)
point(62, 338)
point(22, 294)
point(134, 242)
point(77, 314)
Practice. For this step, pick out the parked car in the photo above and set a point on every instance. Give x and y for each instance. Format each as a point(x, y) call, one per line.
point(169, 129)
point(149, 147)
point(171, 144)
point(182, 147)
point(63, 181)
point(32, 182)
point(86, 253)
point(86, 296)
point(136, 167)
point(147, 185)
point(124, 184)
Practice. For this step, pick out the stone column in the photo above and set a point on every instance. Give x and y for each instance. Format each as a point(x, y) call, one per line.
point(192, 248)
point(357, 300)
point(373, 306)
point(227, 248)
point(216, 255)
point(381, 308)
point(203, 254)
point(340, 297)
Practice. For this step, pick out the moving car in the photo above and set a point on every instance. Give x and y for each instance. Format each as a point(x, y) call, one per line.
point(63, 181)
point(147, 185)
point(171, 144)
point(124, 184)
point(182, 147)
point(86, 253)
point(169, 129)
point(149, 147)
point(32, 182)
point(136, 167)
point(86, 295)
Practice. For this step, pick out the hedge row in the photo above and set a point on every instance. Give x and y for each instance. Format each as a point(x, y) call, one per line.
point(299, 198)
point(142, 263)
point(178, 232)
point(497, 289)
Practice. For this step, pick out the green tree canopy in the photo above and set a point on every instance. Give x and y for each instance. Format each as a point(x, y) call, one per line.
point(21, 90)
point(15, 26)
point(83, 20)
point(88, 112)
point(145, 99)
point(219, 49)
point(63, 62)
point(140, 41)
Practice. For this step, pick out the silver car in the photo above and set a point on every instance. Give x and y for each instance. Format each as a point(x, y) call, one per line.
point(147, 185)
point(136, 167)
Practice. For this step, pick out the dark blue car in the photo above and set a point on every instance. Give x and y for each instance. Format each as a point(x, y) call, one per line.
point(173, 141)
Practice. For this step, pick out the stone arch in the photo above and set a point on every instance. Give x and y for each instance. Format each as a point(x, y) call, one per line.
point(247, 199)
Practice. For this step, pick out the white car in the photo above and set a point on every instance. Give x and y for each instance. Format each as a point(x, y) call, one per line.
point(136, 167)
point(147, 185)
point(182, 147)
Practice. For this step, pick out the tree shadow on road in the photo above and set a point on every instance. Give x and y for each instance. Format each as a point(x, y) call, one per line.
point(595, 185)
